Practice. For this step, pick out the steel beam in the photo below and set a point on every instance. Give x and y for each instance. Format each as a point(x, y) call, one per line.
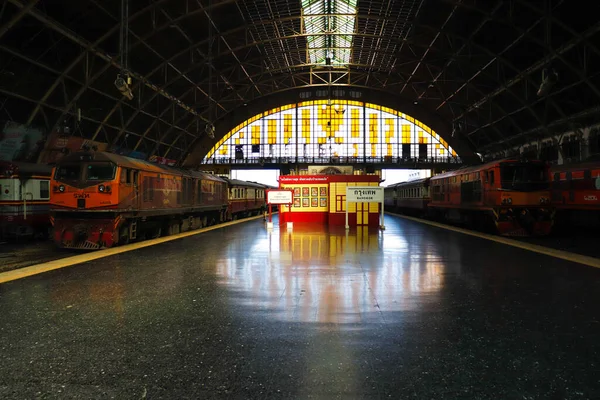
point(428, 49)
point(17, 17)
point(533, 67)
point(556, 123)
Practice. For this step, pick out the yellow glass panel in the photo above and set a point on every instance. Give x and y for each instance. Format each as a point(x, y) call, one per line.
point(272, 131)
point(306, 125)
point(255, 134)
point(355, 146)
point(390, 131)
point(406, 134)
point(389, 150)
point(354, 123)
point(287, 128)
point(237, 141)
point(373, 128)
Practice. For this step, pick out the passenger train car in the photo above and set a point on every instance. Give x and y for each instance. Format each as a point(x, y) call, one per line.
point(512, 194)
point(24, 199)
point(245, 198)
point(101, 199)
point(410, 198)
point(576, 193)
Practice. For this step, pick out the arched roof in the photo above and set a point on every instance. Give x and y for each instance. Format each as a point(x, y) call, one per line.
point(473, 66)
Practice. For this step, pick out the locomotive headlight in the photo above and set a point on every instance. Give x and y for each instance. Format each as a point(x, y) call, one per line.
point(510, 200)
point(107, 188)
point(61, 188)
point(101, 188)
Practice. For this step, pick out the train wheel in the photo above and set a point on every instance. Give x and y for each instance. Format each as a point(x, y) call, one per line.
point(204, 222)
point(156, 232)
point(124, 235)
point(173, 229)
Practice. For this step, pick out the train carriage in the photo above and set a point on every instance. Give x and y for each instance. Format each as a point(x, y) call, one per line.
point(102, 199)
point(245, 198)
point(410, 197)
point(512, 194)
point(24, 199)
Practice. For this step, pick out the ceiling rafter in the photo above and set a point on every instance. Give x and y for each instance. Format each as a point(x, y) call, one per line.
point(428, 49)
point(415, 48)
point(534, 67)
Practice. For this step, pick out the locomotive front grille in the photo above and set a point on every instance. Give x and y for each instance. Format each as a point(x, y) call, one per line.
point(80, 203)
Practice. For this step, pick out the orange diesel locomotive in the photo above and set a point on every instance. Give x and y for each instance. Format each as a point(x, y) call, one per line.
point(512, 194)
point(102, 199)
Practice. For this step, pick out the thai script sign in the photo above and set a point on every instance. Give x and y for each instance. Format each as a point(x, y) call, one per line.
point(280, 196)
point(364, 194)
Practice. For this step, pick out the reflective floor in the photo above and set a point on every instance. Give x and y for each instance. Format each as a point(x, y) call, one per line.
point(411, 312)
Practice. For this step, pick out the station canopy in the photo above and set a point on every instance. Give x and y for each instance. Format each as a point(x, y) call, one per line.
point(160, 78)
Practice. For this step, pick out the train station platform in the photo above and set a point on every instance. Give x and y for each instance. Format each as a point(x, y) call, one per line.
point(411, 312)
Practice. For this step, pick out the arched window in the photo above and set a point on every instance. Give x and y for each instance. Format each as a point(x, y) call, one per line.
point(329, 129)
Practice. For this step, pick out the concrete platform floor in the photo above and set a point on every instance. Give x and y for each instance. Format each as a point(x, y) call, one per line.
point(414, 312)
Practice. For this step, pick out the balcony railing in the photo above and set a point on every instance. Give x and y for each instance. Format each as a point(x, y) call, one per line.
point(401, 161)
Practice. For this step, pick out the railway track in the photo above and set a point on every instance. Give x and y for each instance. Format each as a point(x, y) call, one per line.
point(23, 254)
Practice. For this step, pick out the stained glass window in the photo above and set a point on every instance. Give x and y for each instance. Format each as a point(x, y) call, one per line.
point(323, 129)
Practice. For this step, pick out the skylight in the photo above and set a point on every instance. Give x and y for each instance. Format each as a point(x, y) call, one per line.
point(329, 25)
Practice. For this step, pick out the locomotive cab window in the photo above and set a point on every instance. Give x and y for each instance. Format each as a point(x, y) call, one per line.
point(523, 177)
point(100, 172)
point(68, 173)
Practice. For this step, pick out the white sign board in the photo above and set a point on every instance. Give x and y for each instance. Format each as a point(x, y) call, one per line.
point(280, 197)
point(364, 194)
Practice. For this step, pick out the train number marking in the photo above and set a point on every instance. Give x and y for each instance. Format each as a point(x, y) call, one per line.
point(590, 198)
point(81, 195)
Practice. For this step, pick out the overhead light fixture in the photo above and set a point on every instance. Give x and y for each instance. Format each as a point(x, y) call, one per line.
point(122, 84)
point(549, 79)
point(210, 130)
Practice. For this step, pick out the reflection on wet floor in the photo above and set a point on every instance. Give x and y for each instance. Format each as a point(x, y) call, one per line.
point(329, 275)
point(243, 312)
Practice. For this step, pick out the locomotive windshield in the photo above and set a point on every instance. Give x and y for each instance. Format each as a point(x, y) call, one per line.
point(68, 172)
point(523, 177)
point(100, 172)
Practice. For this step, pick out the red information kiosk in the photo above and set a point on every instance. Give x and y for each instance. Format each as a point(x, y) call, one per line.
point(322, 199)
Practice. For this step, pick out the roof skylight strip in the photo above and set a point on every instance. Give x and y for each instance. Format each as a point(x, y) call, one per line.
point(329, 36)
